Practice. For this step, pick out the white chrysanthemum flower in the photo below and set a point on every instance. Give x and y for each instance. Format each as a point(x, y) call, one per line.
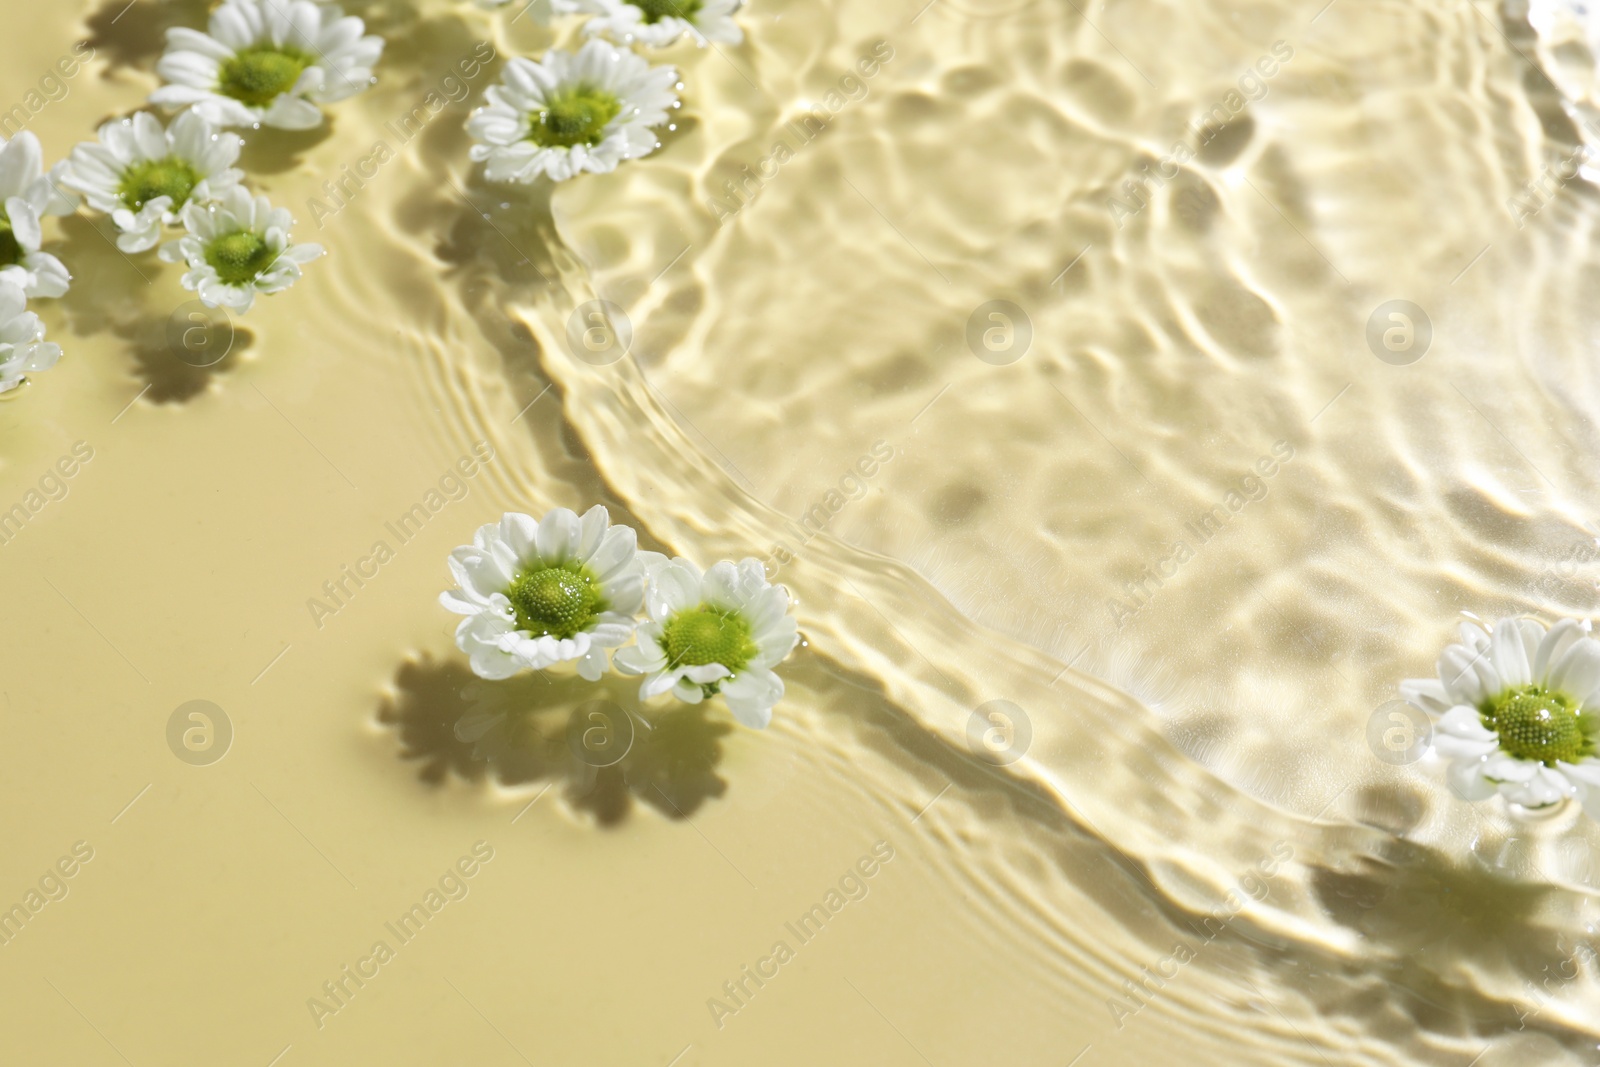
point(22, 344)
point(36, 273)
point(661, 22)
point(27, 194)
point(570, 113)
point(720, 632)
point(143, 175)
point(1515, 712)
point(267, 63)
point(538, 593)
point(236, 248)
point(22, 174)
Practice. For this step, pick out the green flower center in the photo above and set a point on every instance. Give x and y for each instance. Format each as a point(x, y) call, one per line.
point(1535, 723)
point(702, 635)
point(576, 114)
point(10, 247)
point(560, 601)
point(143, 182)
point(656, 10)
point(239, 257)
point(258, 76)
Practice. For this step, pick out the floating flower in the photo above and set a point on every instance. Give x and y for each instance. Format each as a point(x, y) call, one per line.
point(22, 344)
point(236, 248)
point(27, 194)
point(661, 22)
point(143, 175)
point(720, 632)
point(538, 593)
point(22, 174)
point(1516, 712)
point(570, 113)
point(267, 63)
point(36, 273)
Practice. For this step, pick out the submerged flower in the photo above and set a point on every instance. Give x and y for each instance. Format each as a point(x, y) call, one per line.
point(720, 632)
point(570, 113)
point(237, 248)
point(143, 175)
point(1516, 712)
point(267, 63)
point(26, 195)
point(22, 344)
point(661, 22)
point(538, 593)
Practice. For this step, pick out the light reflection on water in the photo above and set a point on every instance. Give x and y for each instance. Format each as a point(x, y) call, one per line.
point(1194, 529)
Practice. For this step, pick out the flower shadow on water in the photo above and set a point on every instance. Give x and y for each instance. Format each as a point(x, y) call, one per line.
point(499, 264)
point(134, 35)
point(590, 739)
point(1439, 914)
point(416, 44)
point(274, 151)
point(111, 292)
point(492, 232)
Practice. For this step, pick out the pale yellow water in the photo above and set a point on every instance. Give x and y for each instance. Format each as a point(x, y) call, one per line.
point(1197, 860)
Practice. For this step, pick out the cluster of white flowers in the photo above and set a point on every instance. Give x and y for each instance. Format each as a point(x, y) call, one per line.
point(563, 589)
point(27, 194)
point(259, 63)
point(591, 109)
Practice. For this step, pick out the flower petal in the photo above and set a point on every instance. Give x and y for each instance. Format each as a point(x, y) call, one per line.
point(639, 659)
point(673, 588)
point(751, 696)
point(1429, 694)
point(1463, 748)
point(720, 586)
point(592, 664)
point(1467, 781)
point(658, 683)
point(1507, 768)
point(688, 692)
point(1554, 646)
point(705, 673)
point(615, 549)
point(1584, 772)
point(521, 532)
point(1459, 677)
point(24, 223)
point(1464, 722)
point(559, 532)
point(1510, 654)
point(592, 527)
point(1546, 787)
point(1578, 670)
